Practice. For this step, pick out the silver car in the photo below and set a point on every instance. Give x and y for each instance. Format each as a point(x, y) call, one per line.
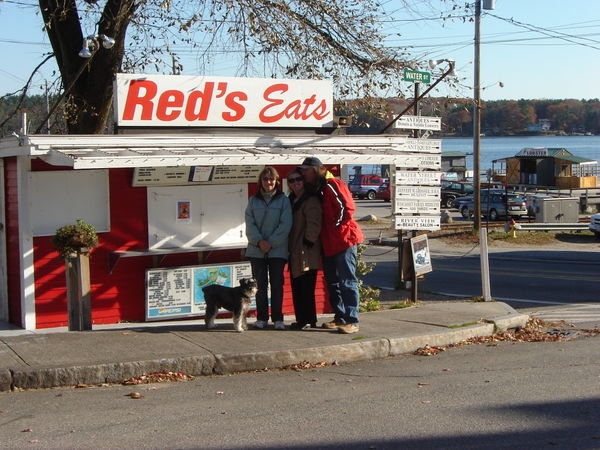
point(495, 205)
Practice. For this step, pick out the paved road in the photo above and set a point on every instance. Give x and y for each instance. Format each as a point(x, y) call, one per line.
point(501, 396)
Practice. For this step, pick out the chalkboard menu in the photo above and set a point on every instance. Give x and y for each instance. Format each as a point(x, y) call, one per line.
point(177, 292)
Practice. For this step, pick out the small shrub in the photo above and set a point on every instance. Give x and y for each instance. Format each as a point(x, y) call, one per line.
point(368, 296)
point(72, 238)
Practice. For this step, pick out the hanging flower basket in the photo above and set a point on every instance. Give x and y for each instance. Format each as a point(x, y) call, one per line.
point(74, 239)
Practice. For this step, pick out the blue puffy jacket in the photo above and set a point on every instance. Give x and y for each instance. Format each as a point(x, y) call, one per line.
point(271, 221)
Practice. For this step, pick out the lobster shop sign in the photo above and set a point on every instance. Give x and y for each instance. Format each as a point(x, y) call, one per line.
point(191, 101)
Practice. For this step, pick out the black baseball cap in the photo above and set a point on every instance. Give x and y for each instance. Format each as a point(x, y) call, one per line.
point(311, 161)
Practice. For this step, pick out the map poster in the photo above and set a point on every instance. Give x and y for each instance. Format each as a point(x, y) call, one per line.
point(177, 292)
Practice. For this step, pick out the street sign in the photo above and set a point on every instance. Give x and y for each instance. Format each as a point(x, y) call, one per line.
point(407, 178)
point(415, 206)
point(419, 161)
point(419, 123)
point(423, 145)
point(416, 76)
point(428, 223)
point(417, 192)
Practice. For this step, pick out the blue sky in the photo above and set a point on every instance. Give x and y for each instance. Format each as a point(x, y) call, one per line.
point(529, 60)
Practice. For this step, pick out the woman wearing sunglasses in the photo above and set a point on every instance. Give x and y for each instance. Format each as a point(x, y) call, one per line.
point(268, 224)
point(305, 250)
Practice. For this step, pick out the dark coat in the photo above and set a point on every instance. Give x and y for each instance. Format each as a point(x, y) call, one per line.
point(306, 227)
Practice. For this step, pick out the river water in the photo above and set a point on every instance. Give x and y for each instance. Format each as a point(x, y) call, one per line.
point(492, 148)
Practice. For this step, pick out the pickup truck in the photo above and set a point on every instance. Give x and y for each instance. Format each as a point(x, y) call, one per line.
point(454, 189)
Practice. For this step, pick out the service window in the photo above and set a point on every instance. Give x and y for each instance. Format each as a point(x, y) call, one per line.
point(197, 216)
point(60, 197)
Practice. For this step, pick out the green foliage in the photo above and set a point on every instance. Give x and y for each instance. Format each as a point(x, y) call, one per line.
point(73, 238)
point(368, 295)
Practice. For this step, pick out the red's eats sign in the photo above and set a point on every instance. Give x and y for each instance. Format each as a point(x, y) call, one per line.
point(161, 100)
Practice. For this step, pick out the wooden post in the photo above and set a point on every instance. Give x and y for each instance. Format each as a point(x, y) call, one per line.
point(79, 303)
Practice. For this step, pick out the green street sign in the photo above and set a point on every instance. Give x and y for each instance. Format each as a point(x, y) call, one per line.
point(416, 76)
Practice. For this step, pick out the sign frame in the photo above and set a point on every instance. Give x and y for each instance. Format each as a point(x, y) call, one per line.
point(187, 299)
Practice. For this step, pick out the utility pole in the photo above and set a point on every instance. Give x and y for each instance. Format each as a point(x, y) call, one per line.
point(477, 123)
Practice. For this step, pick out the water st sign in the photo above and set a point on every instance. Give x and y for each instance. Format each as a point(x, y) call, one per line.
point(416, 76)
point(408, 178)
point(419, 123)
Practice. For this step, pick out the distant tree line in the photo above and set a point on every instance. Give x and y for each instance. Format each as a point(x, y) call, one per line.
point(370, 116)
point(498, 118)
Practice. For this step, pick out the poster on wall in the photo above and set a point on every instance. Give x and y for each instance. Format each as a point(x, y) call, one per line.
point(183, 214)
point(177, 292)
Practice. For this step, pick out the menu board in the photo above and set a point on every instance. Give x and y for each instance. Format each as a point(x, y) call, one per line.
point(177, 292)
point(185, 175)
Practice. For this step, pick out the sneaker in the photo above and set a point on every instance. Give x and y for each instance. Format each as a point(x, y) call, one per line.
point(279, 325)
point(348, 328)
point(260, 324)
point(331, 325)
point(298, 326)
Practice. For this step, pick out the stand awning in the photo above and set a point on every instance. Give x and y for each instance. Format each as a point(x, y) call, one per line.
point(114, 151)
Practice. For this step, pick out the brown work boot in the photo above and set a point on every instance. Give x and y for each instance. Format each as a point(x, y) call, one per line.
point(348, 328)
point(331, 325)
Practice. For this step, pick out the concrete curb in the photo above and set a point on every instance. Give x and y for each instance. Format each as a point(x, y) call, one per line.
point(225, 363)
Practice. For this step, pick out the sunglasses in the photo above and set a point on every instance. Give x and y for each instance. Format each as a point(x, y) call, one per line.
point(268, 179)
point(295, 180)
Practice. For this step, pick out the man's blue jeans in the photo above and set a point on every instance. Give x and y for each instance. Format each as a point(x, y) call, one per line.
point(342, 285)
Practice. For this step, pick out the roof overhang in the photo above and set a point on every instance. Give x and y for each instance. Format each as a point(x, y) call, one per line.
point(114, 151)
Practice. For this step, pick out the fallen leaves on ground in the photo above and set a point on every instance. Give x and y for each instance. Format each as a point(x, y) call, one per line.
point(158, 377)
point(134, 395)
point(302, 365)
point(536, 330)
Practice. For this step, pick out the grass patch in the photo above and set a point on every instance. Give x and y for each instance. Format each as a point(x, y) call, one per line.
point(401, 305)
point(468, 324)
point(523, 237)
point(358, 338)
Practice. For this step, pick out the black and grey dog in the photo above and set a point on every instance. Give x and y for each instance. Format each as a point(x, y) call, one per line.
point(236, 300)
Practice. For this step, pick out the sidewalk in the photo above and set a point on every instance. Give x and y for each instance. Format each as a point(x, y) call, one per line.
point(111, 353)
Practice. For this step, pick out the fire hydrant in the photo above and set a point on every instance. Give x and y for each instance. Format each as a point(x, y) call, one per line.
point(512, 229)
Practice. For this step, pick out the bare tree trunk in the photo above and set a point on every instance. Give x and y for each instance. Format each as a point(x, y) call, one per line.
point(88, 103)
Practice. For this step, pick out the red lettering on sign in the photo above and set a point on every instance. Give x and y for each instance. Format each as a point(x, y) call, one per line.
point(232, 101)
point(204, 97)
point(135, 97)
point(166, 102)
point(297, 109)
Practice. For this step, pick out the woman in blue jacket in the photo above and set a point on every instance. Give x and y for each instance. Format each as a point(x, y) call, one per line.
point(268, 224)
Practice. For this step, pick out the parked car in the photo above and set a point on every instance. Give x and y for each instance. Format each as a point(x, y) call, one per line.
point(595, 225)
point(453, 189)
point(458, 202)
point(383, 192)
point(495, 204)
point(365, 186)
